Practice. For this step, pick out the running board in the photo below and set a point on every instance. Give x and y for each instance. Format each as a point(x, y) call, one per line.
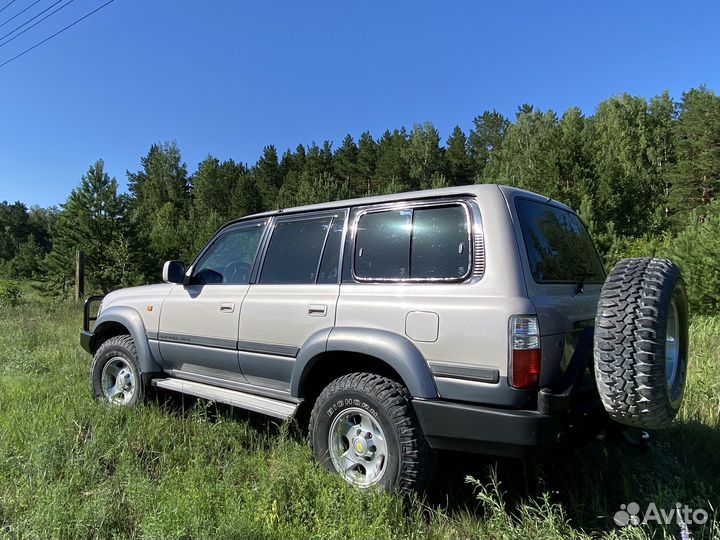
point(251, 402)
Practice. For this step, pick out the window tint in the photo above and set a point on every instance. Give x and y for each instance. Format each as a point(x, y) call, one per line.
point(440, 243)
point(331, 255)
point(293, 253)
point(421, 243)
point(382, 245)
point(230, 258)
point(558, 246)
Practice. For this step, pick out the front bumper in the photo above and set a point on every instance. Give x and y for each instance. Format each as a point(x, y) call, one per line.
point(506, 432)
point(85, 340)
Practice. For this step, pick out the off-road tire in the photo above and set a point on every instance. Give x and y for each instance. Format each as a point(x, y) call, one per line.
point(411, 461)
point(630, 342)
point(121, 346)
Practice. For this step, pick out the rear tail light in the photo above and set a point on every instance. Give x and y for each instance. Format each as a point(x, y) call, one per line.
point(524, 351)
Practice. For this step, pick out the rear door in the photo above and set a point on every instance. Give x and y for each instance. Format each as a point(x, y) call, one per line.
point(564, 275)
point(295, 295)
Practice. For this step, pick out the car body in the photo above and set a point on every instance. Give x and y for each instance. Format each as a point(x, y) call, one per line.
point(479, 300)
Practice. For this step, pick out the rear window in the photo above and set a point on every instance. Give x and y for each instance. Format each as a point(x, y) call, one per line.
point(559, 247)
point(430, 243)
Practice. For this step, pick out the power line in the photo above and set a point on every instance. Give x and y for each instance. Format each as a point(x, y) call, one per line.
point(7, 5)
point(18, 14)
point(56, 33)
point(33, 25)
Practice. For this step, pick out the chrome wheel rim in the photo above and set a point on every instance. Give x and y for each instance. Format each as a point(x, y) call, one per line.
point(672, 347)
point(118, 381)
point(358, 447)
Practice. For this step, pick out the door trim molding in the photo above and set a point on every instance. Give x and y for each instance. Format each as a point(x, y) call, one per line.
point(268, 348)
point(274, 349)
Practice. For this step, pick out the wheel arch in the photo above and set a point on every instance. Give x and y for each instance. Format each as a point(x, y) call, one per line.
point(333, 352)
point(117, 320)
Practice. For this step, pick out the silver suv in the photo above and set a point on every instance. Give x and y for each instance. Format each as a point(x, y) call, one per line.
point(457, 318)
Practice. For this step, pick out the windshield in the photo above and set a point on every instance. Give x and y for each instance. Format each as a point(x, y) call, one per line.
point(559, 247)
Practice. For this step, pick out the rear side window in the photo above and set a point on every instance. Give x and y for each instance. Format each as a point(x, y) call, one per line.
point(559, 247)
point(440, 247)
point(293, 254)
point(421, 243)
point(382, 245)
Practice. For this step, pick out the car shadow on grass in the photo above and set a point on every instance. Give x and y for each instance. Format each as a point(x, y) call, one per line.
point(590, 482)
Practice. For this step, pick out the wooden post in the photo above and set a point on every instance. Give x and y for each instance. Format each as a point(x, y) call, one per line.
point(79, 275)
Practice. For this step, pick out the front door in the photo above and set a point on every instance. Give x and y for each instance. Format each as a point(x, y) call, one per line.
point(295, 295)
point(199, 321)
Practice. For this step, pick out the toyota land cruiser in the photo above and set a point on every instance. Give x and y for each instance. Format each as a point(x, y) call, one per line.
point(476, 318)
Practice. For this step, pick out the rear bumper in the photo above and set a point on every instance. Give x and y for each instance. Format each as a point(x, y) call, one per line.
point(505, 432)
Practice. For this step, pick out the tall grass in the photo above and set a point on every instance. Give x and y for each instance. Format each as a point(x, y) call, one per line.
point(74, 468)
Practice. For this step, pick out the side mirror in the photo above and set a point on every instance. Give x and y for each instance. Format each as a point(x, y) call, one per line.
point(173, 272)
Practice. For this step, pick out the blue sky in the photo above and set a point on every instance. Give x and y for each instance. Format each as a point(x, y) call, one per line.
point(228, 77)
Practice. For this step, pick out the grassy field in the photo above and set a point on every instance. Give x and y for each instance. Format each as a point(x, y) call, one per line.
point(73, 468)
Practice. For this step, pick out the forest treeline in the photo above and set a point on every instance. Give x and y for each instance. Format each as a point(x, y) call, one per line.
point(643, 174)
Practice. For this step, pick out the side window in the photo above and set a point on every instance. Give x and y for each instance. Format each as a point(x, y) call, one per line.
point(230, 258)
point(440, 243)
point(329, 267)
point(382, 245)
point(293, 254)
point(421, 243)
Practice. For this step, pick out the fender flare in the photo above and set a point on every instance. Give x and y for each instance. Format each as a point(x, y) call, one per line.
point(131, 320)
point(395, 350)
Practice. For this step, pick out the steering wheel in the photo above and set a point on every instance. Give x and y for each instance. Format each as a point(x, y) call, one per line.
point(236, 272)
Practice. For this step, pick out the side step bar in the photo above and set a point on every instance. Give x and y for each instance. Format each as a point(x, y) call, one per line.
point(243, 400)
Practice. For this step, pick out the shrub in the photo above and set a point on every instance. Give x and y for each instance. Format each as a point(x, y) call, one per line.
point(646, 246)
point(696, 250)
point(9, 294)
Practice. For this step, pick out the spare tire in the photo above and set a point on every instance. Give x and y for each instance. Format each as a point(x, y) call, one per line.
point(641, 342)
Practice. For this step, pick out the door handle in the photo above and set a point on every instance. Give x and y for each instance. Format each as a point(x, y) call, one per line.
point(227, 307)
point(317, 310)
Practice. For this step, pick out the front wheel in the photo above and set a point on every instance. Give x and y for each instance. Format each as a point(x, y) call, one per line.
point(116, 373)
point(364, 428)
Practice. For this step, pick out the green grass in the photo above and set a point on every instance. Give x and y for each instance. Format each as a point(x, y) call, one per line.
point(74, 468)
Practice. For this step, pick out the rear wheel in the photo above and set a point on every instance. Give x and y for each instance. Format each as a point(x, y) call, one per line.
point(116, 373)
point(364, 428)
point(641, 342)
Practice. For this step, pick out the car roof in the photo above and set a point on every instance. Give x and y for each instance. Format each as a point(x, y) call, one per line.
point(476, 190)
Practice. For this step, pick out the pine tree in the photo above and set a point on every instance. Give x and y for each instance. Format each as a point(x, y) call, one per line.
point(696, 175)
point(160, 203)
point(267, 176)
point(529, 154)
point(345, 164)
point(93, 220)
point(318, 189)
point(458, 158)
point(391, 164)
point(424, 156)
point(485, 140)
point(215, 188)
point(574, 167)
point(628, 191)
point(14, 228)
point(366, 162)
point(27, 264)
